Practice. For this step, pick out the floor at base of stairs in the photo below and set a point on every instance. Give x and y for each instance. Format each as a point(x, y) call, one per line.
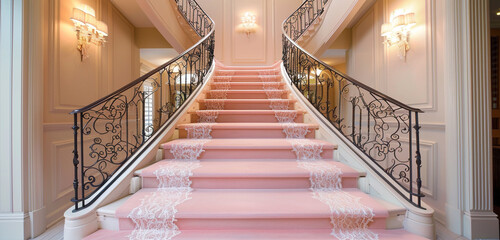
point(256, 235)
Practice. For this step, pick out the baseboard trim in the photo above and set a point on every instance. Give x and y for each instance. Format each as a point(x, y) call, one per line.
point(15, 225)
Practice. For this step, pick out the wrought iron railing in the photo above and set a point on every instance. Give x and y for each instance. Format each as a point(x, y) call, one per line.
point(109, 132)
point(384, 129)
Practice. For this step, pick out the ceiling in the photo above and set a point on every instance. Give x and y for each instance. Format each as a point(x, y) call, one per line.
point(131, 10)
point(158, 56)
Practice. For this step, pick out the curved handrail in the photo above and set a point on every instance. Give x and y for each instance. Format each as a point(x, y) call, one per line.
point(109, 131)
point(378, 125)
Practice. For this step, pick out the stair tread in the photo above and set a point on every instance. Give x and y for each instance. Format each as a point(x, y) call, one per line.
point(248, 90)
point(239, 125)
point(251, 204)
point(244, 83)
point(250, 168)
point(243, 100)
point(320, 234)
point(249, 143)
point(248, 111)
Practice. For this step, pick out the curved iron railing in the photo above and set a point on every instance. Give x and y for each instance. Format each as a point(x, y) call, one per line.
point(108, 132)
point(384, 129)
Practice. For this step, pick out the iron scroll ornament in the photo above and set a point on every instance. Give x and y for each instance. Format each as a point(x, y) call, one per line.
point(382, 128)
point(110, 131)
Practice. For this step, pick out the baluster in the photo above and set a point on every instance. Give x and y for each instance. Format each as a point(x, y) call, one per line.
point(75, 159)
point(81, 161)
point(410, 157)
point(418, 160)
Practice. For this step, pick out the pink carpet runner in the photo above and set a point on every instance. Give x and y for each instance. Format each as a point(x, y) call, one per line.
point(242, 174)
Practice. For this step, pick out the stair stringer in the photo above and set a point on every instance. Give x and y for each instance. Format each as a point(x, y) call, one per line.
point(337, 16)
point(416, 220)
point(79, 224)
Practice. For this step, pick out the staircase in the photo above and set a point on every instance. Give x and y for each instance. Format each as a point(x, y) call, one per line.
point(248, 167)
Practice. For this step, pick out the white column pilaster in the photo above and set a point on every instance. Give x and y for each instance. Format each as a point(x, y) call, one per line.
point(469, 171)
point(14, 219)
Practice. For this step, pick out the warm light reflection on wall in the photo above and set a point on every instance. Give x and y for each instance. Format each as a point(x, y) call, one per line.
point(397, 32)
point(248, 23)
point(88, 29)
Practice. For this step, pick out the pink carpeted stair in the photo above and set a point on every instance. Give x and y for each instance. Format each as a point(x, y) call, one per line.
point(248, 167)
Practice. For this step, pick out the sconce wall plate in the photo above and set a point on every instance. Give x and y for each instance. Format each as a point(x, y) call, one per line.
point(88, 29)
point(248, 23)
point(397, 32)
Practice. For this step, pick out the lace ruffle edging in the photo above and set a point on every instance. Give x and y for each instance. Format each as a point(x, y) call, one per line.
point(218, 94)
point(271, 85)
point(349, 216)
point(274, 94)
point(222, 85)
point(223, 78)
point(154, 218)
point(207, 116)
point(279, 104)
point(214, 104)
point(295, 130)
point(199, 130)
point(285, 116)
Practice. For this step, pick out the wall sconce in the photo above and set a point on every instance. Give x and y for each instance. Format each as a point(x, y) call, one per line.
point(397, 32)
point(248, 24)
point(88, 29)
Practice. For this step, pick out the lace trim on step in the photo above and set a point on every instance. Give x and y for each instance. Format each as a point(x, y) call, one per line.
point(154, 218)
point(270, 85)
point(349, 217)
point(214, 104)
point(207, 116)
point(222, 85)
point(295, 130)
point(218, 94)
point(267, 72)
point(274, 94)
point(223, 78)
point(199, 130)
point(225, 73)
point(285, 116)
point(265, 78)
point(278, 104)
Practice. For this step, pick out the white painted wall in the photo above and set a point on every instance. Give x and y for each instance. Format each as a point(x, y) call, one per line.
point(418, 81)
point(259, 48)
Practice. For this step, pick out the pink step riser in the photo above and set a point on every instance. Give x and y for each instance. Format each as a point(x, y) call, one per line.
point(244, 86)
point(249, 154)
point(245, 223)
point(248, 95)
point(250, 183)
point(250, 118)
point(247, 133)
point(246, 106)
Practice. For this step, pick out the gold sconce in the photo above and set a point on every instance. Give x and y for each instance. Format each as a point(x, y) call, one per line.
point(248, 23)
point(88, 29)
point(397, 32)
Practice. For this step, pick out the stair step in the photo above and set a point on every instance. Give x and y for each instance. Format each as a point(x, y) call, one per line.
point(249, 174)
point(289, 234)
point(247, 130)
point(247, 72)
point(247, 104)
point(247, 116)
point(245, 85)
point(253, 148)
point(247, 94)
point(241, 78)
point(245, 209)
